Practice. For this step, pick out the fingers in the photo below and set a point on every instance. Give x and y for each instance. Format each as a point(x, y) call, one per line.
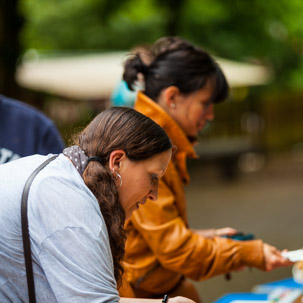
point(273, 258)
point(226, 231)
point(241, 268)
point(180, 299)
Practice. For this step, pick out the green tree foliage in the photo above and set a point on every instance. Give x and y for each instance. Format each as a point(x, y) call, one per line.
point(90, 24)
point(269, 32)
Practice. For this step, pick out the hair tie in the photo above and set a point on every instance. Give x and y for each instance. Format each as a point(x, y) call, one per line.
point(95, 158)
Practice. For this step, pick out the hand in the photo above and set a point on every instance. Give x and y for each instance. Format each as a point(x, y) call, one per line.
point(180, 300)
point(241, 268)
point(226, 231)
point(273, 258)
point(177, 299)
point(210, 233)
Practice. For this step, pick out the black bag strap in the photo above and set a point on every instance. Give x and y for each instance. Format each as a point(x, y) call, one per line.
point(25, 231)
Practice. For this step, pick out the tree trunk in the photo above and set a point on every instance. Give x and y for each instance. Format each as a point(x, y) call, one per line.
point(10, 49)
point(173, 14)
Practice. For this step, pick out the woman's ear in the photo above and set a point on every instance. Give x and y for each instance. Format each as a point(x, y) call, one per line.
point(170, 97)
point(115, 159)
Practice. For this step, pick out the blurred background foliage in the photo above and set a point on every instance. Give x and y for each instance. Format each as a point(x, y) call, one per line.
point(256, 31)
point(268, 32)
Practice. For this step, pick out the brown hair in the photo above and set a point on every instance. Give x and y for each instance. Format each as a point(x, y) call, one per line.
point(140, 138)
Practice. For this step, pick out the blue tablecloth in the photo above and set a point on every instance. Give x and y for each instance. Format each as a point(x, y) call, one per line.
point(259, 292)
point(267, 287)
point(241, 296)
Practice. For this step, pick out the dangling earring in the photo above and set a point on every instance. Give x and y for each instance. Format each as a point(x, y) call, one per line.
point(117, 176)
point(172, 105)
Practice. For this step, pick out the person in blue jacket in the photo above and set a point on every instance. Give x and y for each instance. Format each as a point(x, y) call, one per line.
point(25, 131)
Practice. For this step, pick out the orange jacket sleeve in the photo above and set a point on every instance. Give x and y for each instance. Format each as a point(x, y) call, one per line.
point(179, 249)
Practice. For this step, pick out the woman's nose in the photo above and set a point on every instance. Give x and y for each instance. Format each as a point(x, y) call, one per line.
point(209, 114)
point(153, 194)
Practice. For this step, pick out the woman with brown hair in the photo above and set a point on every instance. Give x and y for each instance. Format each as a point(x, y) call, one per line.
point(182, 84)
point(76, 208)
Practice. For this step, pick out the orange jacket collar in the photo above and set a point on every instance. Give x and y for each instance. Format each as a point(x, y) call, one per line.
point(184, 147)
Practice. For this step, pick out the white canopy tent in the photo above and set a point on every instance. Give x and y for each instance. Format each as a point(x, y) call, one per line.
point(95, 76)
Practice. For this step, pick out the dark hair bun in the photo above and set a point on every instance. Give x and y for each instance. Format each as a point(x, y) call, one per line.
point(132, 67)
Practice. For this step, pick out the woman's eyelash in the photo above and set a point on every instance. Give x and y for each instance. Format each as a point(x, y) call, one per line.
point(154, 178)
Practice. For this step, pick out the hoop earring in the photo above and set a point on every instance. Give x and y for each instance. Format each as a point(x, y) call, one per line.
point(117, 176)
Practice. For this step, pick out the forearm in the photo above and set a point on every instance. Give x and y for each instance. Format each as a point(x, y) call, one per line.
point(220, 255)
point(207, 233)
point(215, 232)
point(131, 300)
point(169, 300)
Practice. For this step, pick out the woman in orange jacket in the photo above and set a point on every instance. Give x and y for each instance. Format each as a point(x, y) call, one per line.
point(182, 84)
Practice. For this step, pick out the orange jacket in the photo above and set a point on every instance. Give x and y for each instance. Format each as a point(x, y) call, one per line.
point(160, 247)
